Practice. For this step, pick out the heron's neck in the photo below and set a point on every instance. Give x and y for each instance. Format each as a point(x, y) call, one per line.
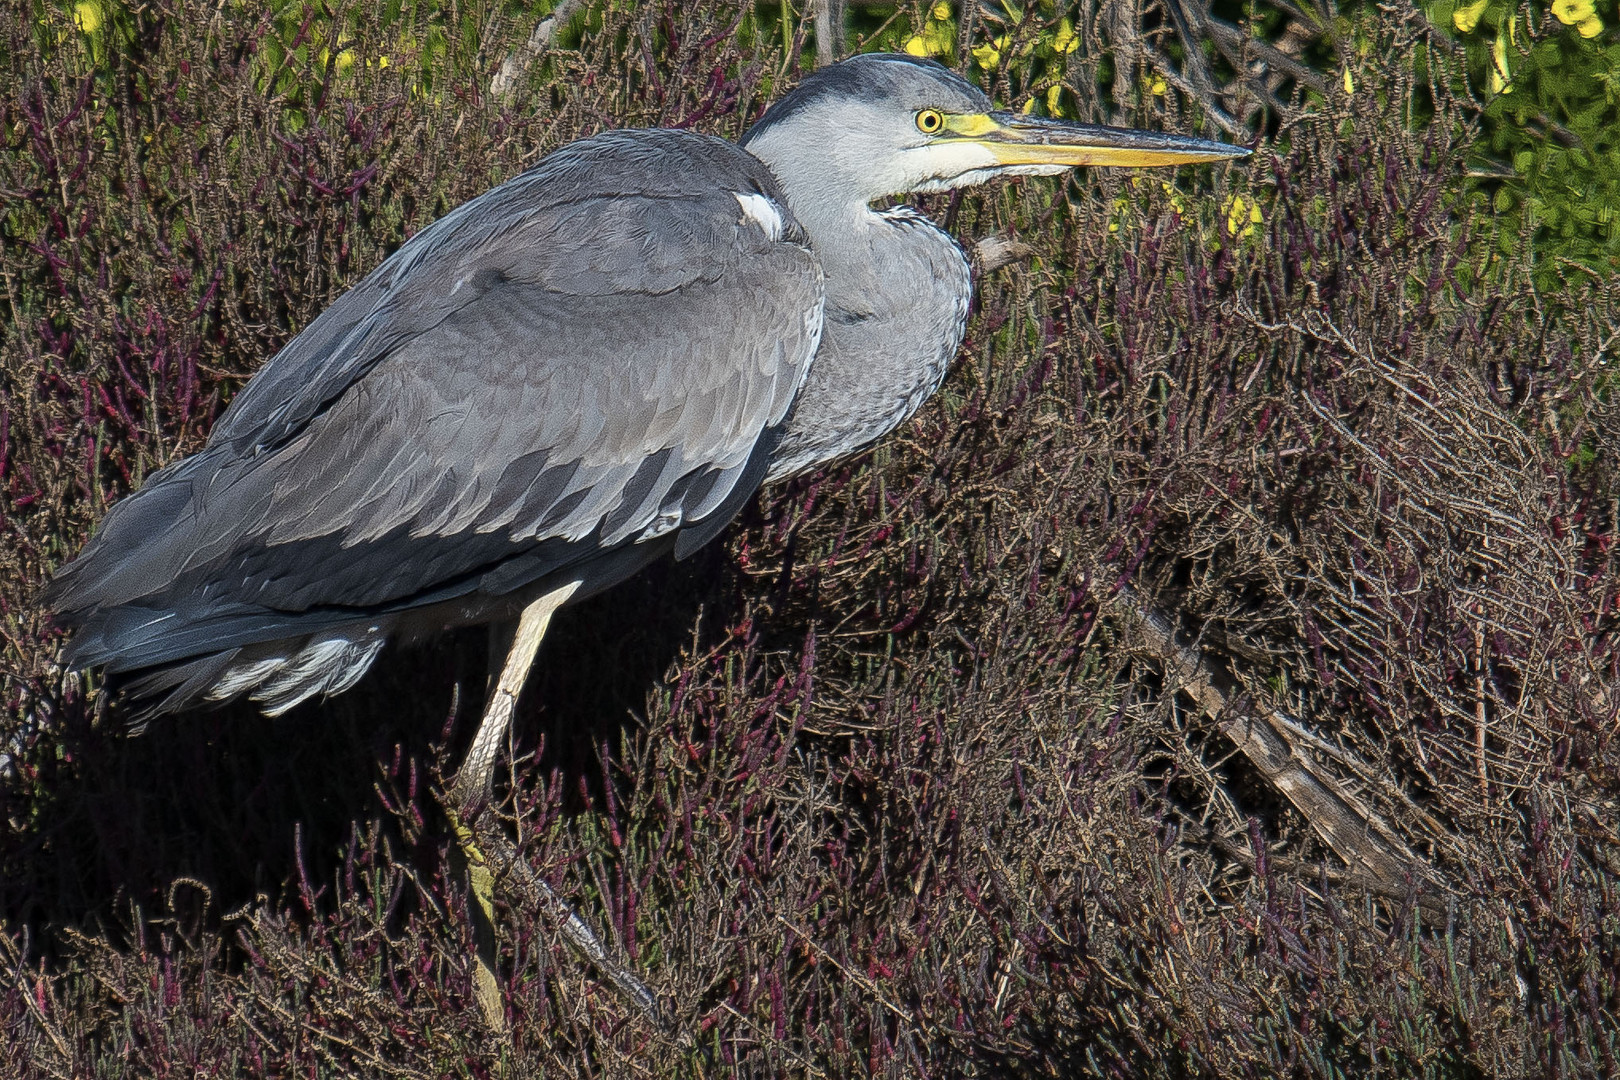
point(897, 291)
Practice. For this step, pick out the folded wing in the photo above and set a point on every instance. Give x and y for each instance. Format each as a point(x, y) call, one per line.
point(590, 357)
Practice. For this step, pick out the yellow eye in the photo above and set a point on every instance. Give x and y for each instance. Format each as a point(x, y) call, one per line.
point(929, 121)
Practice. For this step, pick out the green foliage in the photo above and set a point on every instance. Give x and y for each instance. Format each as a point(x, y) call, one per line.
point(1547, 161)
point(303, 49)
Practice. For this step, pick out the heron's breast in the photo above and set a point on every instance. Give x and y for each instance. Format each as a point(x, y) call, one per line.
point(890, 332)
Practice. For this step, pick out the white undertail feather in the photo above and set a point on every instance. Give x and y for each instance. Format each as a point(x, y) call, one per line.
point(326, 664)
point(240, 678)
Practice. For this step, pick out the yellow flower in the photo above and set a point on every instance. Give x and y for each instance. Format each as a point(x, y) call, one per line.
point(1121, 205)
point(1466, 18)
point(1349, 83)
point(988, 57)
point(1054, 104)
point(1242, 215)
point(941, 11)
point(1177, 203)
point(345, 59)
point(382, 61)
point(1572, 12)
point(88, 17)
point(935, 40)
point(1158, 86)
point(1589, 28)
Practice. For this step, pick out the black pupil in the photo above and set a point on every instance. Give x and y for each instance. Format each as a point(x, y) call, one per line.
point(930, 121)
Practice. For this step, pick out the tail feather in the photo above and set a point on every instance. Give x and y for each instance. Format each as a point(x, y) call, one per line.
point(173, 688)
point(276, 674)
point(326, 664)
point(133, 637)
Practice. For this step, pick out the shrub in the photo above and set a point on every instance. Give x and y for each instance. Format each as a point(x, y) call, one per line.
point(890, 782)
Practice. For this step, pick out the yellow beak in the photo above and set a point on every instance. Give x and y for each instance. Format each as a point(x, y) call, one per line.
point(1016, 139)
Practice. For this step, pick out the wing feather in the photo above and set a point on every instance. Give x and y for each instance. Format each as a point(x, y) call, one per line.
point(591, 354)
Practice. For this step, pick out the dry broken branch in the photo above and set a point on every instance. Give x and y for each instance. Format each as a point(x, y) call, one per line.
point(1374, 851)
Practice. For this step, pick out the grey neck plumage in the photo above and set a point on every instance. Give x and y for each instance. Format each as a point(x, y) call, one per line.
point(898, 289)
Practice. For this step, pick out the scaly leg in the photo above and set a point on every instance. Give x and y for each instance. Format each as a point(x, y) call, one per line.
point(475, 782)
point(482, 842)
point(480, 883)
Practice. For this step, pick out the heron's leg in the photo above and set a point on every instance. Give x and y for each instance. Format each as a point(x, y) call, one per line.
point(480, 885)
point(474, 783)
point(537, 893)
point(488, 851)
point(473, 787)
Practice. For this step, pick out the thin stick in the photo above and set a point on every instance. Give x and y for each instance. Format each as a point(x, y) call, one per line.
point(512, 869)
point(1350, 828)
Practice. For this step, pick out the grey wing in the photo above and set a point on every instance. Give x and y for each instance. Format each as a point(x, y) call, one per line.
point(589, 373)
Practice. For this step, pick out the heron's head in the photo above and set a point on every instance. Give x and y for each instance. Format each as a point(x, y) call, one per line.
point(885, 124)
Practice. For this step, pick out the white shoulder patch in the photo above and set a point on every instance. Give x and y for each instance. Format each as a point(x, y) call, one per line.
point(762, 212)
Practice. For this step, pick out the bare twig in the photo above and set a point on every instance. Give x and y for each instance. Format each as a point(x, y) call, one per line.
point(1350, 828)
point(829, 31)
point(512, 870)
point(518, 61)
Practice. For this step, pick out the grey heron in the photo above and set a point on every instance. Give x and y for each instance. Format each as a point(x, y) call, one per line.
point(588, 366)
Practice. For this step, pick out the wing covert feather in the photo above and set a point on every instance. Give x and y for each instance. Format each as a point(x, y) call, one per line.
point(584, 357)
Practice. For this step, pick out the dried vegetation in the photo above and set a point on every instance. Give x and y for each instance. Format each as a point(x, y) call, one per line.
point(899, 779)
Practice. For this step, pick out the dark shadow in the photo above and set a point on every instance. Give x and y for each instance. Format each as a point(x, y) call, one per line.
point(225, 797)
point(249, 806)
point(602, 658)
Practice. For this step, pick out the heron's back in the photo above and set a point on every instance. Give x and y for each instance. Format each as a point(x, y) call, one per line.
point(562, 378)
